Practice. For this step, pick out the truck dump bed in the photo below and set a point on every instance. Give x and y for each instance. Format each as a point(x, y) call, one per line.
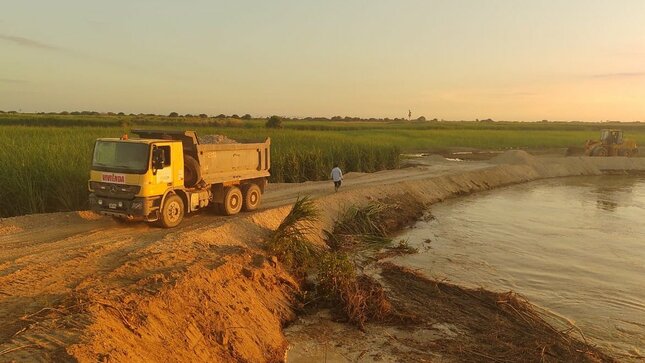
point(220, 163)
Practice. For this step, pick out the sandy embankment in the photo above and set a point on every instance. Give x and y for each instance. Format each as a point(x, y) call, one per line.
point(89, 289)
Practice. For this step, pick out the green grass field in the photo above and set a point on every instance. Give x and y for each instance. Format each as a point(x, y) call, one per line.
point(45, 159)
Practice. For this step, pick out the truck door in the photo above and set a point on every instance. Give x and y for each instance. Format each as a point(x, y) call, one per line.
point(164, 175)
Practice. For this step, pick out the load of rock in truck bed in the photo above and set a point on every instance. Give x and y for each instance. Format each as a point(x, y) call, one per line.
point(215, 139)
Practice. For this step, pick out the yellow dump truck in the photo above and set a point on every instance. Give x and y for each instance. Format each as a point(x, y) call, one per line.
point(163, 175)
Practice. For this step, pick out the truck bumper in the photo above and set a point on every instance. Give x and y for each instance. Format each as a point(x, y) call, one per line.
point(144, 209)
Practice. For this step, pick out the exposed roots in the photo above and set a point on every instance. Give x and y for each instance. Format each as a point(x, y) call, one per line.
point(496, 327)
point(360, 297)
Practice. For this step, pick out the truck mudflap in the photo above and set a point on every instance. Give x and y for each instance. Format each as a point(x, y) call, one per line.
point(145, 209)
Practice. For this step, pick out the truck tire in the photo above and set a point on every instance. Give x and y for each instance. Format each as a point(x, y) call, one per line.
point(252, 197)
point(192, 171)
point(232, 201)
point(172, 211)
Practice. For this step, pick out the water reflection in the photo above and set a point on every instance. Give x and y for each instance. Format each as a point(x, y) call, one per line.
point(613, 192)
point(607, 205)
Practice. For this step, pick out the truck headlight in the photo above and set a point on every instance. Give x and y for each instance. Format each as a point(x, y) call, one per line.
point(120, 204)
point(99, 202)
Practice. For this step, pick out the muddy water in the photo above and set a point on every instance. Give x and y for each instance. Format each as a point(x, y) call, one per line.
point(574, 246)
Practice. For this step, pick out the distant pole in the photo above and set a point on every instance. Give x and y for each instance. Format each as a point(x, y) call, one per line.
point(409, 115)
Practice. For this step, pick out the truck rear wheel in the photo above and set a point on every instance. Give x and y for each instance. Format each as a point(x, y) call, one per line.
point(252, 197)
point(192, 172)
point(232, 201)
point(172, 211)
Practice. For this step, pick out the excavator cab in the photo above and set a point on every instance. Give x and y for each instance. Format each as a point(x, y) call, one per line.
point(611, 137)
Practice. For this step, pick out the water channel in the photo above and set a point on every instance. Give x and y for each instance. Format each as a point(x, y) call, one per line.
point(573, 246)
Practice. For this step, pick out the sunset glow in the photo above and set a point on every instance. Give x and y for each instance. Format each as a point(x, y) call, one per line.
point(453, 60)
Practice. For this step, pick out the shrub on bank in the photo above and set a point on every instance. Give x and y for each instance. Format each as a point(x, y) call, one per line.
point(360, 297)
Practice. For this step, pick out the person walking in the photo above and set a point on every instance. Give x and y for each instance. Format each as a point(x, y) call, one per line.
point(337, 176)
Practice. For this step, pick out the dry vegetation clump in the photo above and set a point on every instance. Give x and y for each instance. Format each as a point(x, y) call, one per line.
point(335, 272)
point(365, 300)
point(491, 326)
point(370, 225)
point(360, 297)
point(359, 226)
point(290, 242)
point(484, 325)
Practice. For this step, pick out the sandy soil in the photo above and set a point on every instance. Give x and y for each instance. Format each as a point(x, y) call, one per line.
point(70, 281)
point(76, 286)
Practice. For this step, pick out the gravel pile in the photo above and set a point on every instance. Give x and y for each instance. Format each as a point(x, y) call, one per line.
point(514, 157)
point(215, 139)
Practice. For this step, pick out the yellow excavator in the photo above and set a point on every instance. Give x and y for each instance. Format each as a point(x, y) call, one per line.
point(611, 143)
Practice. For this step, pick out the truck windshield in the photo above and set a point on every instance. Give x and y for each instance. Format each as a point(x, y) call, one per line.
point(125, 157)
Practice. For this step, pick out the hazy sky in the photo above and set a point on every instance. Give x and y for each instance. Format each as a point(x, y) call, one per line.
point(457, 59)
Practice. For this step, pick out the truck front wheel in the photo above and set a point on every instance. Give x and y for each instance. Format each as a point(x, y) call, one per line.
point(252, 197)
point(172, 211)
point(232, 201)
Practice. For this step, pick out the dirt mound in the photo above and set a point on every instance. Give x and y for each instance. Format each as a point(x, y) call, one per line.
point(215, 139)
point(233, 312)
point(514, 157)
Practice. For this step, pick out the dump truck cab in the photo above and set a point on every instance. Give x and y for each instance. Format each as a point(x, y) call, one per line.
point(130, 177)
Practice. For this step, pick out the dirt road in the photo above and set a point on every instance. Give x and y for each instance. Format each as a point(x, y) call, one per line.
point(51, 263)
